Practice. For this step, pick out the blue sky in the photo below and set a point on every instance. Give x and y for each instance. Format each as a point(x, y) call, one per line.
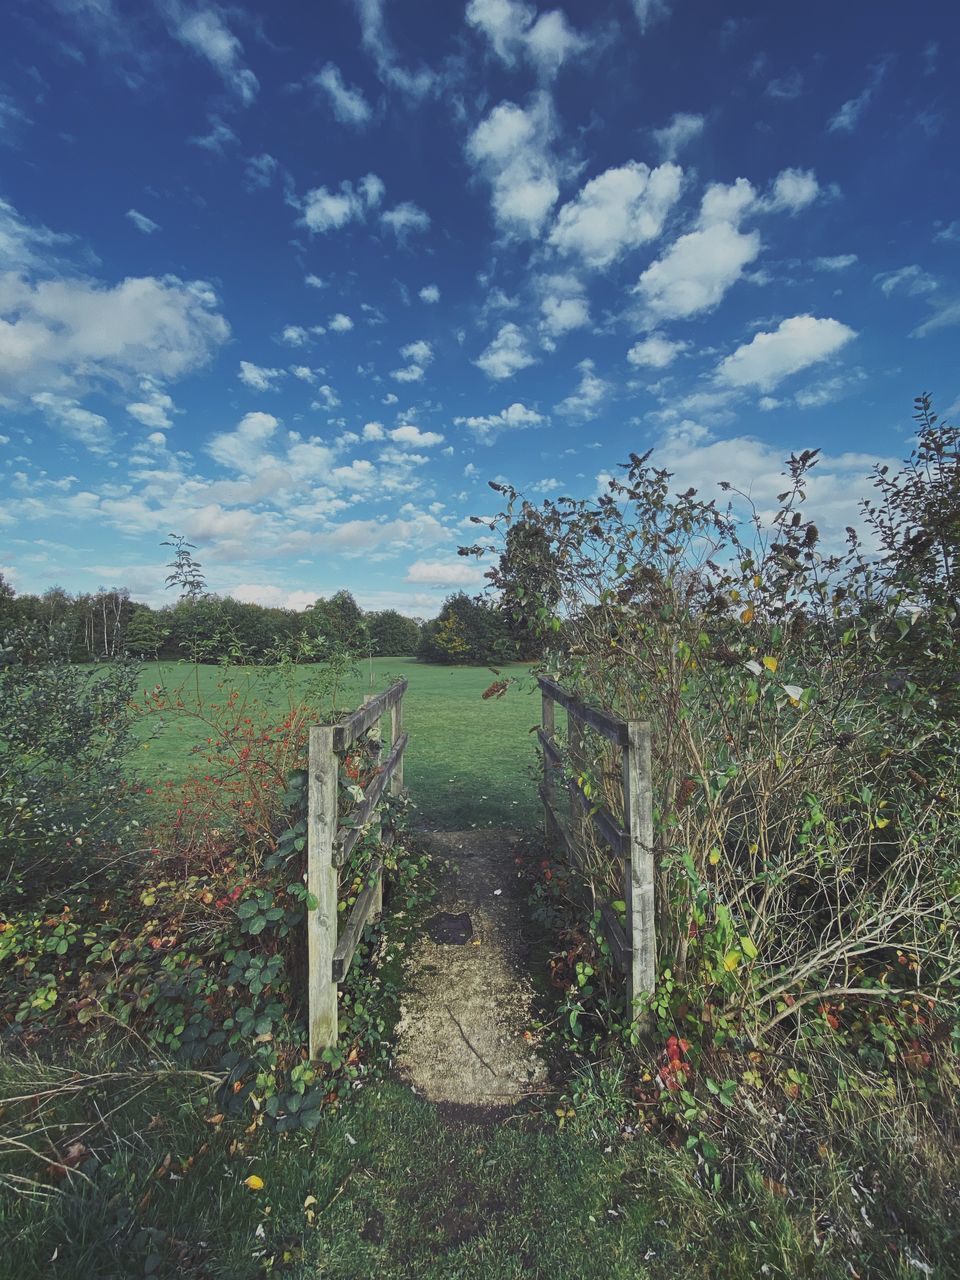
point(296, 280)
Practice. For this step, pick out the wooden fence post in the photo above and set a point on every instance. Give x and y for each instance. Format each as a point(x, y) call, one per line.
point(551, 828)
point(377, 729)
point(322, 885)
point(575, 754)
point(639, 871)
point(396, 728)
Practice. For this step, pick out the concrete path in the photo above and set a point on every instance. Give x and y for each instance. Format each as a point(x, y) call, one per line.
point(461, 1031)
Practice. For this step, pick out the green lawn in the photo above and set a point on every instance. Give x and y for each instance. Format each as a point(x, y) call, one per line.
point(470, 761)
point(385, 1187)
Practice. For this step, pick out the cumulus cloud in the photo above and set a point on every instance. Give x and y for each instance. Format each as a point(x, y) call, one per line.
point(589, 395)
point(419, 354)
point(655, 352)
point(243, 448)
point(294, 335)
point(562, 313)
point(347, 102)
point(414, 437)
point(142, 222)
point(615, 212)
point(683, 127)
point(154, 407)
point(795, 344)
point(506, 355)
point(325, 210)
point(516, 33)
point(204, 31)
point(64, 332)
point(258, 378)
point(446, 573)
point(696, 271)
point(515, 417)
point(793, 190)
point(405, 218)
point(430, 293)
point(511, 147)
point(339, 323)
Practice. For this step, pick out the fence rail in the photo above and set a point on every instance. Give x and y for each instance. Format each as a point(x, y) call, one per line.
point(329, 845)
point(633, 947)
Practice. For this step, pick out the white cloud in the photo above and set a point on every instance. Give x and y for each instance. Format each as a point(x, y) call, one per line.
point(325, 210)
point(204, 30)
point(506, 355)
point(650, 11)
point(838, 262)
point(795, 344)
point(430, 293)
point(950, 232)
point(257, 377)
point(90, 429)
point(696, 271)
point(315, 282)
point(259, 171)
point(516, 417)
point(545, 486)
point(793, 190)
point(845, 120)
point(684, 126)
point(564, 314)
point(244, 448)
point(446, 573)
point(155, 407)
point(419, 354)
point(911, 280)
point(327, 399)
point(786, 88)
point(655, 352)
point(511, 147)
point(945, 315)
point(726, 202)
point(373, 33)
point(516, 33)
point(64, 332)
point(272, 597)
point(218, 139)
point(616, 211)
point(142, 222)
point(303, 372)
point(413, 436)
point(294, 335)
point(589, 395)
point(348, 103)
point(339, 323)
point(405, 218)
point(373, 431)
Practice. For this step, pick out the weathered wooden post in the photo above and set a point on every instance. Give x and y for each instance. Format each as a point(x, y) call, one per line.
point(376, 732)
point(396, 729)
point(321, 885)
point(551, 828)
point(575, 755)
point(639, 871)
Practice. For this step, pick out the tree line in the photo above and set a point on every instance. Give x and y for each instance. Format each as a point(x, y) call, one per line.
point(216, 628)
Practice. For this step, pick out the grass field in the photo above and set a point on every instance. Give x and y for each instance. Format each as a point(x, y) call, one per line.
point(470, 761)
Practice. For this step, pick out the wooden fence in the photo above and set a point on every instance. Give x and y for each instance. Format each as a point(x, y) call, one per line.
point(330, 843)
point(634, 949)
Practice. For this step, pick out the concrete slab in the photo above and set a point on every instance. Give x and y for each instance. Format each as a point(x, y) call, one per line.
point(460, 1034)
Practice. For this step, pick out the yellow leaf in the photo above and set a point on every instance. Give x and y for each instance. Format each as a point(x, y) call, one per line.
point(770, 664)
point(731, 960)
point(253, 1182)
point(881, 823)
point(747, 615)
point(309, 1201)
point(756, 579)
point(714, 857)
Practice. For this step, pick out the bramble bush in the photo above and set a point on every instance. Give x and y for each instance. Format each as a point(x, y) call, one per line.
point(807, 835)
point(65, 734)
